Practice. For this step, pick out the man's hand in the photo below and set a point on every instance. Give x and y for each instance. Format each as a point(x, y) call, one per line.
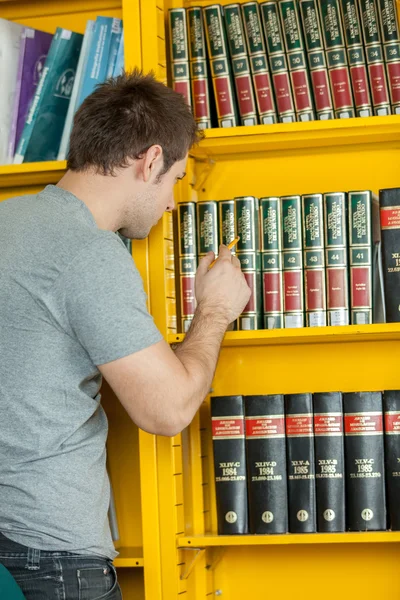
point(161, 389)
point(223, 288)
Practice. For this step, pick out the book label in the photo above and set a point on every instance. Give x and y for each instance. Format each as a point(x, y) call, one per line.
point(270, 426)
point(227, 428)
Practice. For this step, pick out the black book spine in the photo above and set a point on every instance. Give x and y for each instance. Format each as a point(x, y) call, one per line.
point(391, 408)
point(228, 433)
point(329, 462)
point(300, 463)
point(365, 469)
point(266, 464)
point(389, 201)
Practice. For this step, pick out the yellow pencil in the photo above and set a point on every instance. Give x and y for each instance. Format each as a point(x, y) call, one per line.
point(230, 246)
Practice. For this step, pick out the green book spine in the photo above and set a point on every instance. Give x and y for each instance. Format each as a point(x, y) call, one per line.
point(356, 57)
point(314, 260)
point(207, 227)
point(227, 222)
point(271, 262)
point(297, 60)
point(339, 74)
point(186, 255)
point(278, 62)
point(259, 63)
point(314, 45)
point(41, 136)
point(240, 64)
point(179, 52)
point(220, 66)
point(248, 252)
point(374, 57)
point(389, 22)
point(360, 252)
point(292, 248)
point(198, 68)
point(336, 249)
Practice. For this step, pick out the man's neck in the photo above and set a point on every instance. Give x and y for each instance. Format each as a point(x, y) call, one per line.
point(100, 195)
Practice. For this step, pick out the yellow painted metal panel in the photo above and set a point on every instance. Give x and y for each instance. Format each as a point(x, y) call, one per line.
point(378, 332)
point(150, 502)
point(168, 228)
point(29, 174)
point(131, 582)
point(169, 254)
point(294, 136)
point(124, 470)
point(359, 571)
point(71, 14)
point(132, 34)
point(129, 557)
point(375, 537)
point(170, 284)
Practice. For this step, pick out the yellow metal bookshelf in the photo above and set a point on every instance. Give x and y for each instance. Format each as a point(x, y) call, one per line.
point(272, 160)
point(164, 490)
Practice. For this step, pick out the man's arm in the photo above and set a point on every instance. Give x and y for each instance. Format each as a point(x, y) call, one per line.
point(162, 389)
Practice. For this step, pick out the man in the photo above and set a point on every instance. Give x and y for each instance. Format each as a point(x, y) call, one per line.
point(73, 309)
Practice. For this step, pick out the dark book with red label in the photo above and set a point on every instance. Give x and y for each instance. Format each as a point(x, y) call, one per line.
point(389, 202)
point(179, 51)
point(314, 259)
point(339, 74)
point(336, 248)
point(297, 60)
point(207, 227)
point(360, 252)
point(314, 44)
point(375, 57)
point(278, 62)
point(300, 463)
point(198, 68)
point(271, 261)
point(259, 63)
point(391, 409)
point(389, 22)
point(266, 463)
point(240, 64)
point(227, 222)
point(292, 248)
point(186, 256)
point(329, 462)
point(356, 56)
point(248, 252)
point(220, 65)
point(365, 468)
point(229, 444)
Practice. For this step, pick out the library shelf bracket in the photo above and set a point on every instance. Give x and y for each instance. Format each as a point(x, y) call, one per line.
point(187, 567)
point(203, 171)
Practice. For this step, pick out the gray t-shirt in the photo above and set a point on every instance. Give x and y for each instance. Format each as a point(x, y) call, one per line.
point(71, 298)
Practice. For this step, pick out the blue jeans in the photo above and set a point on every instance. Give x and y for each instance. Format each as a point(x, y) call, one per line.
point(43, 575)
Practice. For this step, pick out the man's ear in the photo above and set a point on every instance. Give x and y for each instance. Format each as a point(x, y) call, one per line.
point(152, 163)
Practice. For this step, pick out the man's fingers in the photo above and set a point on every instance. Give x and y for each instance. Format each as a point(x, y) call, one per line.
point(205, 262)
point(224, 253)
point(235, 261)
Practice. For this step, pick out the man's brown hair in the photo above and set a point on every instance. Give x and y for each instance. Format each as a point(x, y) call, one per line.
point(123, 117)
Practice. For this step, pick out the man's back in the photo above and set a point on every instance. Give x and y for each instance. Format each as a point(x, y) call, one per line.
point(54, 329)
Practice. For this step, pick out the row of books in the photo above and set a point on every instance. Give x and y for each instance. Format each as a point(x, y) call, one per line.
point(310, 260)
point(286, 60)
point(306, 463)
point(45, 79)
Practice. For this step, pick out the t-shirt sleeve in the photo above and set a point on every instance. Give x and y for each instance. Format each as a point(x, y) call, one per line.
point(103, 302)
